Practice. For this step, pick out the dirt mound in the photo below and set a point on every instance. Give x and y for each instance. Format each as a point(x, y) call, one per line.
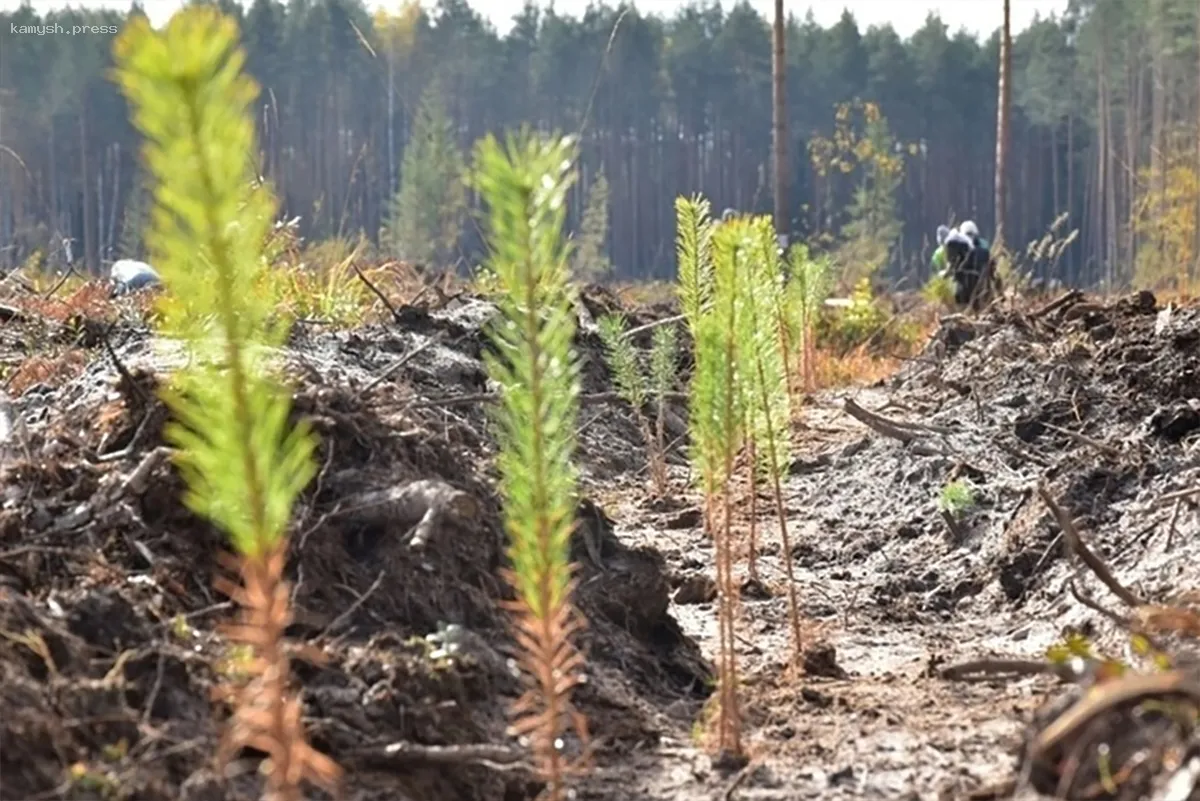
point(1099, 400)
point(108, 649)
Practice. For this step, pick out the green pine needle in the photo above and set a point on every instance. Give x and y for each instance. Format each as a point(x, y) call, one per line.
point(664, 355)
point(693, 243)
point(244, 466)
point(525, 184)
point(622, 358)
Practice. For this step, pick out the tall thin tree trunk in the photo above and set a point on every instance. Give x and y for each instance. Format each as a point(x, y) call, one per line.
point(1071, 184)
point(1057, 210)
point(85, 174)
point(1002, 111)
point(779, 122)
point(1196, 269)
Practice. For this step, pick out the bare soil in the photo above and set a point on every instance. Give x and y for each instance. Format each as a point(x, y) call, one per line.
point(108, 622)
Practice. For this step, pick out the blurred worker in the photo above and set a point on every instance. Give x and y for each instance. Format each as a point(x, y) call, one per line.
point(975, 266)
point(938, 262)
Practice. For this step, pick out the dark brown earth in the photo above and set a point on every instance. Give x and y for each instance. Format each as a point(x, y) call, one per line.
point(108, 644)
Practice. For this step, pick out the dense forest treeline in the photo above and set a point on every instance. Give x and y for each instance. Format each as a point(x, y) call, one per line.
point(1105, 125)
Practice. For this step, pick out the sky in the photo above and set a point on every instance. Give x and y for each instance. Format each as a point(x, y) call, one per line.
point(906, 16)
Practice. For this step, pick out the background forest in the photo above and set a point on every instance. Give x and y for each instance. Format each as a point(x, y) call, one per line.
point(366, 120)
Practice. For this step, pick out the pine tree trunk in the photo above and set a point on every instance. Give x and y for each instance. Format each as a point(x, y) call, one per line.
point(779, 122)
point(1005, 98)
point(85, 179)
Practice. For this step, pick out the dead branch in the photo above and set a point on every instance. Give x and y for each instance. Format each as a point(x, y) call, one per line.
point(498, 757)
point(991, 669)
point(1075, 542)
point(403, 360)
point(1094, 605)
point(375, 290)
point(648, 326)
point(134, 441)
point(1086, 440)
point(350, 610)
point(1021, 453)
point(121, 369)
point(10, 314)
point(70, 271)
point(1178, 495)
point(1110, 694)
point(878, 423)
point(138, 480)
point(1054, 305)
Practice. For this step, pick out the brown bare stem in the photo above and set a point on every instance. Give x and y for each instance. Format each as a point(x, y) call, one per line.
point(781, 513)
point(752, 561)
point(266, 712)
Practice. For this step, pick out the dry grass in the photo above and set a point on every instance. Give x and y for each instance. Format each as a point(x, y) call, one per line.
point(860, 366)
point(646, 293)
point(73, 299)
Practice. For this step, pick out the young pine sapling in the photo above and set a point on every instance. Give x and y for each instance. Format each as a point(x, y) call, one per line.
point(243, 463)
point(804, 297)
point(524, 184)
point(625, 363)
point(954, 501)
point(764, 379)
point(708, 291)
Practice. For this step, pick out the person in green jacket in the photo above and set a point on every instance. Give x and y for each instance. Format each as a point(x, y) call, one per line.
point(938, 262)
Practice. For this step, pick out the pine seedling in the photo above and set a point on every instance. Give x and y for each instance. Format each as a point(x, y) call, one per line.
point(625, 363)
point(768, 405)
point(524, 184)
point(806, 293)
point(713, 423)
point(243, 465)
point(956, 499)
point(664, 355)
point(725, 439)
point(693, 246)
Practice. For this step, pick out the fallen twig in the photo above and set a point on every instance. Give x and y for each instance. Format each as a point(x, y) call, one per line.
point(1094, 605)
point(121, 369)
point(495, 756)
point(1054, 305)
point(70, 271)
point(991, 669)
point(1112, 693)
point(878, 422)
point(403, 360)
point(1086, 440)
point(1174, 497)
point(1075, 542)
point(375, 290)
point(350, 610)
point(648, 326)
point(424, 502)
